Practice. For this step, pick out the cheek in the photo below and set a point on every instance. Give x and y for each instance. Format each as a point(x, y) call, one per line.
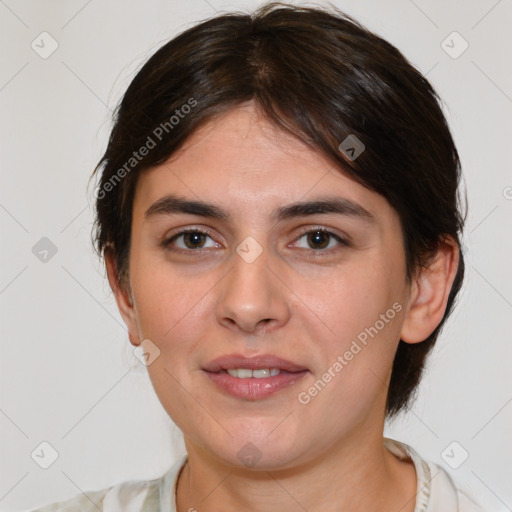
point(172, 307)
point(350, 301)
point(360, 313)
point(173, 311)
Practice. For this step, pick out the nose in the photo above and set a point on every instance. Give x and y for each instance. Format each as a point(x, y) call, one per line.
point(252, 298)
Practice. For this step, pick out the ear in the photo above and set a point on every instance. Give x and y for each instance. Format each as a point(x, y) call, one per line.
point(124, 302)
point(429, 293)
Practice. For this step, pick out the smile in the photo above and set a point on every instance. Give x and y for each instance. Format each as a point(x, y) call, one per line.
point(253, 378)
point(247, 373)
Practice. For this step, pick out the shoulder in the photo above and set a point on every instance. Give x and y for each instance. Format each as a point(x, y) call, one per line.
point(466, 505)
point(436, 491)
point(444, 490)
point(110, 499)
point(134, 495)
point(85, 502)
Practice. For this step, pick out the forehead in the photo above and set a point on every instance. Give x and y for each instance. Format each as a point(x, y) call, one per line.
point(243, 161)
point(241, 145)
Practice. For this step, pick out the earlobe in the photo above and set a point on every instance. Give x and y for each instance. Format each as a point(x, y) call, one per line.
point(123, 299)
point(429, 293)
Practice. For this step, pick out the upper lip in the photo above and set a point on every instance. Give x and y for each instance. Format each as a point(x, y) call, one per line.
point(257, 362)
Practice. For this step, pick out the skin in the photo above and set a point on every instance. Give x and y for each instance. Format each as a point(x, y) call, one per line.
point(297, 301)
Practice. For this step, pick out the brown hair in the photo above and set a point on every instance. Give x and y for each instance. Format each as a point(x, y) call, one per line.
point(321, 76)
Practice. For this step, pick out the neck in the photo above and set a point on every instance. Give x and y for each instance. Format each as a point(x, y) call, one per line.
point(357, 474)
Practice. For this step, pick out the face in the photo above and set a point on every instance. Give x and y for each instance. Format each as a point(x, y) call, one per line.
point(274, 289)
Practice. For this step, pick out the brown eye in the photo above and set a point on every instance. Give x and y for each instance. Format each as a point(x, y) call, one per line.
point(190, 240)
point(318, 240)
point(194, 239)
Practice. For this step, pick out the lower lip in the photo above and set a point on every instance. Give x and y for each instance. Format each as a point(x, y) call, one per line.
point(252, 388)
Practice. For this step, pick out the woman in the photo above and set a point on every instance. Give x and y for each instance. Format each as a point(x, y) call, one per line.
point(279, 218)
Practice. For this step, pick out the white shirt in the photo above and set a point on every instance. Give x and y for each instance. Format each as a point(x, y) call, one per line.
point(435, 491)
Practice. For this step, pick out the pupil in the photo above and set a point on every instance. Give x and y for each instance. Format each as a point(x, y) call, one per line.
point(193, 240)
point(318, 238)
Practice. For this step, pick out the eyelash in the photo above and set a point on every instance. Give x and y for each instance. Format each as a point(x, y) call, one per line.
point(167, 243)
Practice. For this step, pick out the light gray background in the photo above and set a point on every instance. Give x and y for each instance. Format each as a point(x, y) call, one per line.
point(68, 375)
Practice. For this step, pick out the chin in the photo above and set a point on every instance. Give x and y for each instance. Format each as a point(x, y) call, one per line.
point(257, 445)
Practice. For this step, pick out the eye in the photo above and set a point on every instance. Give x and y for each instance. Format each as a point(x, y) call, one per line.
point(190, 239)
point(319, 240)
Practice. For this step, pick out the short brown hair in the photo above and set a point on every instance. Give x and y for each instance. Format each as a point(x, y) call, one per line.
point(321, 76)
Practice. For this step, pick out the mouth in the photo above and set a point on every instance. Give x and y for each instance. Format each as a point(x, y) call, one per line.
point(253, 378)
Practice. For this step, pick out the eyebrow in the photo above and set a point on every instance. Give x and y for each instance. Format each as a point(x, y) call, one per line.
point(172, 204)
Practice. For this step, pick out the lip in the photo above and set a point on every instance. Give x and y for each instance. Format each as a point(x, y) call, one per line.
point(252, 388)
point(253, 363)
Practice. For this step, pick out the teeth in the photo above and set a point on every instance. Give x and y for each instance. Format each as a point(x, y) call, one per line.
point(246, 373)
point(242, 373)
